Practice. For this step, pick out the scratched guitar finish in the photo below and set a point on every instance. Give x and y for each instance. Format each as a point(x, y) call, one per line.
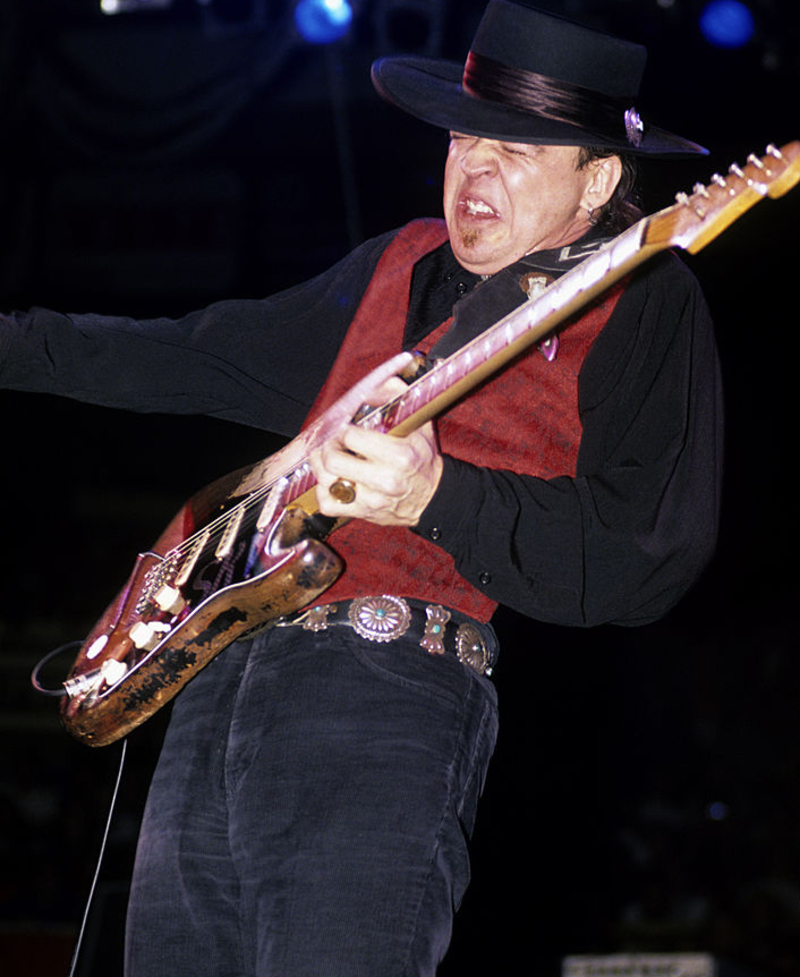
point(251, 547)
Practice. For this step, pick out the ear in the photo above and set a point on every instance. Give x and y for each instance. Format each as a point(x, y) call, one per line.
point(603, 176)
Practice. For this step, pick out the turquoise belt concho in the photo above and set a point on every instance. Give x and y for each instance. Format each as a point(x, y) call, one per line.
point(385, 618)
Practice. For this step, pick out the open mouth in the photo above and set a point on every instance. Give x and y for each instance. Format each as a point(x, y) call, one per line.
point(476, 208)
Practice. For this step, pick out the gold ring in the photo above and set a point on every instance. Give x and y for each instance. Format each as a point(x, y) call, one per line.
point(343, 490)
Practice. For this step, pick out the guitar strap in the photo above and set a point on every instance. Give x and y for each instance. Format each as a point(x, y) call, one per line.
point(505, 291)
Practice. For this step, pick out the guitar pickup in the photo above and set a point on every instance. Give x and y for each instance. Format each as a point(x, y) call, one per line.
point(233, 524)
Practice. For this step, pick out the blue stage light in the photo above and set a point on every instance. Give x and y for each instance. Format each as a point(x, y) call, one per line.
point(727, 23)
point(323, 21)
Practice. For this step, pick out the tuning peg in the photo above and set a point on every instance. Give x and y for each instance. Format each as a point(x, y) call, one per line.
point(685, 201)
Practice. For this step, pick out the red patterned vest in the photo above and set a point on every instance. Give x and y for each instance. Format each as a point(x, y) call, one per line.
point(525, 420)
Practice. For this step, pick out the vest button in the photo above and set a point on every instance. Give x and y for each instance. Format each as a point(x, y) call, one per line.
point(461, 288)
point(485, 578)
point(435, 534)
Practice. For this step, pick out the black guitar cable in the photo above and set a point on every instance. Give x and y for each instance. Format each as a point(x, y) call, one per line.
point(37, 668)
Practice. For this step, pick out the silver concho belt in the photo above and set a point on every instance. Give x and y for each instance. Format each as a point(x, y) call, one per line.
point(385, 618)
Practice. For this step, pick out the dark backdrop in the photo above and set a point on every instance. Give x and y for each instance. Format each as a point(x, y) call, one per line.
point(644, 794)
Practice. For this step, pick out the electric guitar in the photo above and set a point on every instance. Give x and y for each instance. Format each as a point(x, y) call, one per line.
point(251, 547)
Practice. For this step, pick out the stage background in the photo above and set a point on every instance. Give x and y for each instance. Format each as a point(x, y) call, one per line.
point(645, 790)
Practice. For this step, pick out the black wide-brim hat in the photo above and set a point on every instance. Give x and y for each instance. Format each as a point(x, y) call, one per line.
point(532, 77)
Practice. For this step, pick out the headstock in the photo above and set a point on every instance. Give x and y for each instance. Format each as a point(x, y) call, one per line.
point(698, 217)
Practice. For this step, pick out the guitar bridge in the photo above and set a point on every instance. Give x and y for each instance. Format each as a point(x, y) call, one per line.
point(158, 591)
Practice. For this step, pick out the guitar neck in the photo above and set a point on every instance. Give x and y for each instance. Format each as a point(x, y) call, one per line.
point(450, 379)
point(690, 223)
point(252, 557)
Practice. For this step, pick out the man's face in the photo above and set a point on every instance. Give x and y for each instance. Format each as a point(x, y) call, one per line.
point(503, 200)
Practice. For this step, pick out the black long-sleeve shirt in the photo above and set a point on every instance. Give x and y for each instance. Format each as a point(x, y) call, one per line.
point(619, 542)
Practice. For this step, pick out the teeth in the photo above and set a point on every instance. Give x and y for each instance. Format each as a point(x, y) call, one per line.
point(478, 207)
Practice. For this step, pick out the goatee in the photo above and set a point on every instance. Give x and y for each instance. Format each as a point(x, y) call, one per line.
point(470, 237)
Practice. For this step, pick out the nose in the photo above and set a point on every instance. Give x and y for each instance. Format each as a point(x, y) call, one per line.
point(477, 157)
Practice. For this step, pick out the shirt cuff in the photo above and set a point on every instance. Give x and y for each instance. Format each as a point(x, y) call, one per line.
point(455, 502)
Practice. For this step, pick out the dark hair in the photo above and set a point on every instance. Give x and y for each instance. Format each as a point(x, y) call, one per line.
point(623, 209)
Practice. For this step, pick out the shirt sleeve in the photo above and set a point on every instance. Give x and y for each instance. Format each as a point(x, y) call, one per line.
point(622, 540)
point(258, 362)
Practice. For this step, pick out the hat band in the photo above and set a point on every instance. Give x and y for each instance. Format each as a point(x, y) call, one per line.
point(541, 95)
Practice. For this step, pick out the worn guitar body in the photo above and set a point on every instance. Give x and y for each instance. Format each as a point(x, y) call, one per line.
point(155, 636)
point(249, 548)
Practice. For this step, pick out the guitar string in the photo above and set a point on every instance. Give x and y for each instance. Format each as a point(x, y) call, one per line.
point(508, 330)
point(574, 281)
point(581, 273)
point(217, 527)
point(578, 273)
point(455, 363)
